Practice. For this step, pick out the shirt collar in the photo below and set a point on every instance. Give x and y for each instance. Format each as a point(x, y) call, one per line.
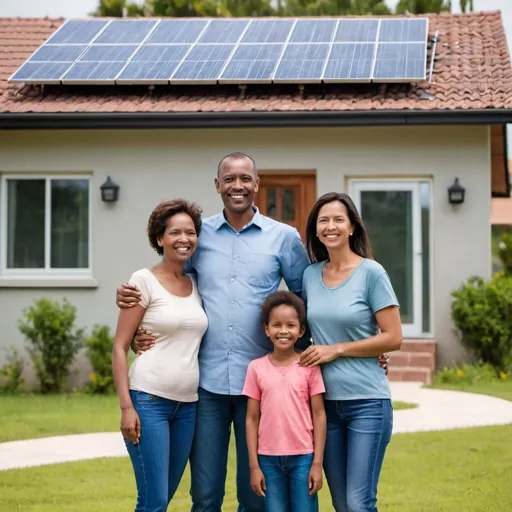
point(257, 220)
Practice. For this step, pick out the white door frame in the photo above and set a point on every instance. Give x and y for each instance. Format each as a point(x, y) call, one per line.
point(357, 186)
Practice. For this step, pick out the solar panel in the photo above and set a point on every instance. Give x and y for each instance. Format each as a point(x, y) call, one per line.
point(267, 31)
point(252, 63)
point(357, 31)
point(58, 53)
point(234, 50)
point(302, 63)
point(155, 63)
point(313, 31)
point(402, 31)
point(77, 32)
point(350, 62)
point(100, 64)
point(177, 31)
point(224, 31)
point(126, 31)
point(41, 72)
point(203, 63)
point(400, 62)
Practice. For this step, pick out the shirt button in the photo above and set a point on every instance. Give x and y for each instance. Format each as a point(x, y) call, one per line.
point(232, 279)
point(230, 327)
point(232, 302)
point(234, 256)
point(237, 233)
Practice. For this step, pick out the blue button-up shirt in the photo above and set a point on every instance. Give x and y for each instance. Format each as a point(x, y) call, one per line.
point(236, 271)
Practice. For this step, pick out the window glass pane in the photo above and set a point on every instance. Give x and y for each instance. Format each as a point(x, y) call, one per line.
point(70, 224)
point(288, 204)
point(387, 216)
point(425, 250)
point(25, 223)
point(271, 202)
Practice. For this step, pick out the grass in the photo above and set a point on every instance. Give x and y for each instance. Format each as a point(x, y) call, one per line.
point(466, 469)
point(499, 389)
point(462, 470)
point(30, 416)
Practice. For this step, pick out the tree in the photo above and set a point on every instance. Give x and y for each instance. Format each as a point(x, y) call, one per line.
point(423, 6)
point(114, 9)
point(466, 5)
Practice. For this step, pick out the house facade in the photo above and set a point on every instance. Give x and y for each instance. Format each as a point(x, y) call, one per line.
point(395, 148)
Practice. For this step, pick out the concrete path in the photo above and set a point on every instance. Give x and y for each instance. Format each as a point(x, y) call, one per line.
point(438, 410)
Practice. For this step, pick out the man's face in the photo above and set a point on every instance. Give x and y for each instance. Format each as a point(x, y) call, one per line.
point(237, 184)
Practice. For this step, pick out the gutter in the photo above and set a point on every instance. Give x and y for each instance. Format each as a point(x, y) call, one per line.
point(274, 119)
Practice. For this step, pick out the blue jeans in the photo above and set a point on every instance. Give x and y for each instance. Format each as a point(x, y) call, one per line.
point(287, 482)
point(160, 458)
point(209, 456)
point(358, 432)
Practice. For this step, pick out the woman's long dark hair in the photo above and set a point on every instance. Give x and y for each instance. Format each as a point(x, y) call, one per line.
point(359, 241)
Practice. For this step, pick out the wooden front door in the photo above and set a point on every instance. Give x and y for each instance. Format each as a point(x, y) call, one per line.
point(287, 198)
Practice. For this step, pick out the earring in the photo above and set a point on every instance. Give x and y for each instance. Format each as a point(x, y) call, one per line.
point(317, 235)
point(351, 233)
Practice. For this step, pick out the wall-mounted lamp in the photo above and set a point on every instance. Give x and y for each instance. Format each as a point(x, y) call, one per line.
point(109, 191)
point(456, 193)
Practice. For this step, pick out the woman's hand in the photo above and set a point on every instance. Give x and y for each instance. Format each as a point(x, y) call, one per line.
point(315, 478)
point(258, 481)
point(130, 425)
point(318, 354)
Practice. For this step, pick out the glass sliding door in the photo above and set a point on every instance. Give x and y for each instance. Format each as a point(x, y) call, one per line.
point(393, 216)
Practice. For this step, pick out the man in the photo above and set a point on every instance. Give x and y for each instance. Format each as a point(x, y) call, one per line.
point(241, 258)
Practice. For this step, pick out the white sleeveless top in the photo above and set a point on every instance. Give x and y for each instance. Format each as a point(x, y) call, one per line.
point(170, 369)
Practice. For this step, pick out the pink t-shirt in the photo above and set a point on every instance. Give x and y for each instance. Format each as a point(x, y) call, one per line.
point(286, 425)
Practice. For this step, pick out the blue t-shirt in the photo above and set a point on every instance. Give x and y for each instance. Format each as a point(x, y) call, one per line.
point(346, 313)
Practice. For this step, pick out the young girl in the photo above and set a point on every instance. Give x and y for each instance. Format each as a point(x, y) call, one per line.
point(285, 414)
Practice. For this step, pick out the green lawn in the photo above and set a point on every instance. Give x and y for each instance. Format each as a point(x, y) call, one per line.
point(464, 470)
point(31, 416)
point(500, 389)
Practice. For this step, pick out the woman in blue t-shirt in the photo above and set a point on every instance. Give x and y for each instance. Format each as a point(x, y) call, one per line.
point(353, 316)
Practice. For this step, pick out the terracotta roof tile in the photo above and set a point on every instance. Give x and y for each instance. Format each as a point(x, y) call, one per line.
point(471, 71)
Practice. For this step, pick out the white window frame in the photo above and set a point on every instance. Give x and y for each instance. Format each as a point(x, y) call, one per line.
point(47, 272)
point(358, 185)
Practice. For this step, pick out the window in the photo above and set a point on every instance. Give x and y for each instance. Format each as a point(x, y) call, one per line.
point(45, 226)
point(397, 216)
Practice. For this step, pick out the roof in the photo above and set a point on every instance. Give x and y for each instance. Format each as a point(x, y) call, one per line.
point(472, 73)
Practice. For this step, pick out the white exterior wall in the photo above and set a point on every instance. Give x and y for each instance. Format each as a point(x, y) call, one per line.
point(151, 166)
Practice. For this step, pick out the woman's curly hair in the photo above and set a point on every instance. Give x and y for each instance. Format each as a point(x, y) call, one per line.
point(157, 222)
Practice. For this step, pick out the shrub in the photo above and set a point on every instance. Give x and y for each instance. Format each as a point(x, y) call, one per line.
point(482, 313)
point(12, 372)
point(466, 374)
point(49, 328)
point(99, 352)
point(505, 251)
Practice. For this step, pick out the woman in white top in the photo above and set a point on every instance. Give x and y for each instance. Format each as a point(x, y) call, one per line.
point(158, 395)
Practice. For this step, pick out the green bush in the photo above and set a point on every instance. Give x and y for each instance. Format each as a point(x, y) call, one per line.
point(53, 339)
point(505, 251)
point(99, 352)
point(482, 313)
point(12, 372)
point(477, 373)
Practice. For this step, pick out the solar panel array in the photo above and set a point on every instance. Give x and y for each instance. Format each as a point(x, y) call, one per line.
point(209, 51)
